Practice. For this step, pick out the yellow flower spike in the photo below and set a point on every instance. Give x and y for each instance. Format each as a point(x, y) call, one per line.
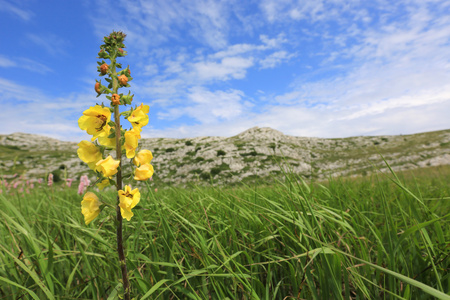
point(95, 121)
point(128, 199)
point(90, 207)
point(139, 117)
point(89, 153)
point(131, 141)
point(144, 172)
point(104, 183)
point(108, 166)
point(143, 157)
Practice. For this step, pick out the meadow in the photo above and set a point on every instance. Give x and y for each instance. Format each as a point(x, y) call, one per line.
point(382, 236)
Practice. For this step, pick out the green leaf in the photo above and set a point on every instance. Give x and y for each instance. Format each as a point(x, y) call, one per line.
point(30, 292)
point(154, 288)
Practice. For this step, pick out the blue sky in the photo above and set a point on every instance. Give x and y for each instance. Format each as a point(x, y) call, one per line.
point(316, 68)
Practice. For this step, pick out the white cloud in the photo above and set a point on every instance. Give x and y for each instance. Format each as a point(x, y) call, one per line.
point(206, 21)
point(27, 109)
point(208, 107)
point(24, 63)
point(322, 121)
point(51, 43)
point(227, 68)
point(275, 59)
point(25, 15)
point(6, 62)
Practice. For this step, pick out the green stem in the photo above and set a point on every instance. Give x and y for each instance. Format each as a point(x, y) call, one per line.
point(120, 251)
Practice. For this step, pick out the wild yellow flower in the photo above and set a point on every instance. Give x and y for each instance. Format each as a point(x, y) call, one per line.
point(89, 153)
point(90, 207)
point(95, 121)
point(143, 157)
point(128, 199)
point(108, 142)
point(139, 117)
point(104, 183)
point(132, 137)
point(144, 172)
point(108, 166)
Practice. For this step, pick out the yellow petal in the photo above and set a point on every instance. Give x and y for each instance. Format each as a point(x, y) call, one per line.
point(144, 172)
point(131, 141)
point(90, 207)
point(128, 199)
point(89, 153)
point(108, 166)
point(143, 157)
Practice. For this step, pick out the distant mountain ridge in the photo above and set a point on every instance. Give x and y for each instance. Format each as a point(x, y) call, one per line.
point(254, 153)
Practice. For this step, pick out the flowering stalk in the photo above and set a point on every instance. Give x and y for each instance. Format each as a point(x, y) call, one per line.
point(109, 137)
point(120, 251)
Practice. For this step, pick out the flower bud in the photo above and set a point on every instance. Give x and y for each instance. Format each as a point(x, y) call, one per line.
point(120, 50)
point(115, 99)
point(97, 87)
point(104, 69)
point(103, 54)
point(123, 80)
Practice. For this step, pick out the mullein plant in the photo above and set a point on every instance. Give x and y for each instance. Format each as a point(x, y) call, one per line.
point(110, 143)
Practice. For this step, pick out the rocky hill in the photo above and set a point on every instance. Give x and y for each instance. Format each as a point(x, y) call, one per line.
point(255, 153)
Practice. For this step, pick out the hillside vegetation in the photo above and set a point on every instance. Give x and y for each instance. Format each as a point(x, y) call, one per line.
point(255, 153)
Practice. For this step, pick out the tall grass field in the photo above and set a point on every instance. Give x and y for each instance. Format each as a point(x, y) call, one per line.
point(383, 236)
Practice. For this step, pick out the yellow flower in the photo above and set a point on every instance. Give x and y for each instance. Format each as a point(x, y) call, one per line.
point(131, 141)
point(89, 153)
point(138, 117)
point(103, 184)
point(108, 166)
point(108, 142)
point(144, 172)
point(143, 157)
point(90, 207)
point(95, 121)
point(128, 199)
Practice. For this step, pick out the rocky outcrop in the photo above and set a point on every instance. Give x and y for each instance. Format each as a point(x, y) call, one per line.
point(256, 152)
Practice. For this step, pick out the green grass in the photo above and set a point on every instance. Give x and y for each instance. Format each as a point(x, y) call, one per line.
point(383, 236)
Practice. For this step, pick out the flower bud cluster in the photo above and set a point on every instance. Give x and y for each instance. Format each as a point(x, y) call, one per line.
point(102, 122)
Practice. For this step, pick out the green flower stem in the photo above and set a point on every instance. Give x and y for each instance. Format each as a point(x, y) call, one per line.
point(122, 260)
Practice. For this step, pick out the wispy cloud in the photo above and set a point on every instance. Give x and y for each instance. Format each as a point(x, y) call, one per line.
point(205, 21)
point(24, 63)
point(227, 68)
point(6, 62)
point(51, 43)
point(28, 109)
point(23, 14)
point(275, 59)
